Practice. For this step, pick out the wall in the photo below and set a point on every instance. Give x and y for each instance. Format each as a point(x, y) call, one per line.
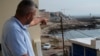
point(7, 9)
point(36, 33)
point(97, 44)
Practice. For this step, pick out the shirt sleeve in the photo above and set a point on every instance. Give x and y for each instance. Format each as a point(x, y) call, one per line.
point(16, 43)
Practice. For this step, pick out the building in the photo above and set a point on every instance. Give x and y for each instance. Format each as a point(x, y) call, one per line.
point(85, 47)
point(44, 13)
point(56, 17)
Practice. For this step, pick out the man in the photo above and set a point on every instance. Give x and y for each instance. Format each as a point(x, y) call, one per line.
point(15, 37)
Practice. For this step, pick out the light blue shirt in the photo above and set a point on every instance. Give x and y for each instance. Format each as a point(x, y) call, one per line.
point(16, 39)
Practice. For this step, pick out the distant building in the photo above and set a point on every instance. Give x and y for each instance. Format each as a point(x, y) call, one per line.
point(56, 16)
point(44, 13)
point(53, 16)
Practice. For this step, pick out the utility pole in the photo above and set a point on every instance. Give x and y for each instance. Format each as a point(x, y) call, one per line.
point(62, 31)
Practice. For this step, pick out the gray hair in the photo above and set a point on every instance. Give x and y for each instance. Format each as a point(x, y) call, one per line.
point(24, 7)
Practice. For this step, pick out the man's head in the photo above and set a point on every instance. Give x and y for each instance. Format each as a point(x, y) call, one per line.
point(26, 11)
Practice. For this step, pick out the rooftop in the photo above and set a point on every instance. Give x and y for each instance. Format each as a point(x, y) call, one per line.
point(83, 40)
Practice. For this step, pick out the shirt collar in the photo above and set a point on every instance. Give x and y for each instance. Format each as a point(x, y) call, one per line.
point(20, 24)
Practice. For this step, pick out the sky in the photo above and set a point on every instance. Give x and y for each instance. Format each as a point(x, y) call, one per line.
point(72, 7)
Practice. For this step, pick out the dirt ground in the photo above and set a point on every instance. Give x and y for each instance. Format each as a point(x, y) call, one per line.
point(51, 51)
point(54, 50)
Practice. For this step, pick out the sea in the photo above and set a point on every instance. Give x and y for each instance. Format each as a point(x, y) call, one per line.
point(79, 33)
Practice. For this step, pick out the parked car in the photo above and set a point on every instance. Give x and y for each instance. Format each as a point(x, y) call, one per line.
point(46, 46)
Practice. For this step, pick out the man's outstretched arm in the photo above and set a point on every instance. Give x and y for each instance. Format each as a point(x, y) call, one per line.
point(38, 20)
